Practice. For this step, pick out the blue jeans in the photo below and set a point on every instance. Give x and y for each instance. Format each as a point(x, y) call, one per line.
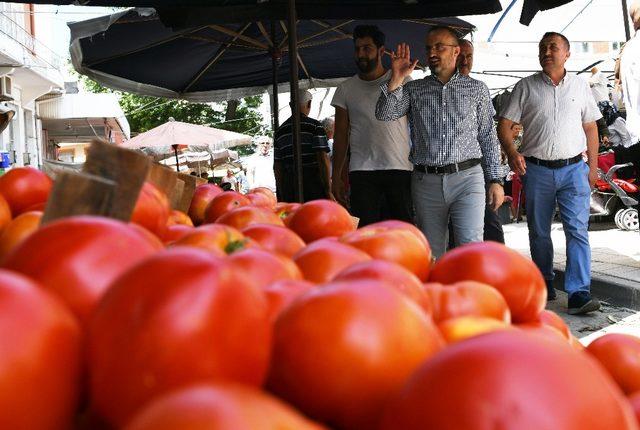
point(569, 187)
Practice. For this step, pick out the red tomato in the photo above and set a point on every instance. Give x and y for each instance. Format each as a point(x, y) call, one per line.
point(261, 200)
point(150, 237)
point(391, 273)
point(152, 209)
point(219, 407)
point(178, 318)
point(275, 238)
point(201, 198)
point(544, 330)
point(634, 400)
point(263, 267)
point(465, 327)
point(77, 258)
point(248, 215)
point(513, 275)
point(395, 224)
point(620, 355)
point(40, 363)
point(322, 261)
point(286, 210)
point(281, 294)
point(218, 239)
point(179, 217)
point(508, 380)
point(273, 200)
point(551, 319)
point(342, 351)
point(320, 218)
point(17, 230)
point(40, 207)
point(5, 213)
point(23, 187)
point(176, 232)
point(223, 203)
point(467, 298)
point(397, 245)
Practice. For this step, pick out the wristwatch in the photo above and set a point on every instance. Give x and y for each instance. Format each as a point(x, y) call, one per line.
point(497, 181)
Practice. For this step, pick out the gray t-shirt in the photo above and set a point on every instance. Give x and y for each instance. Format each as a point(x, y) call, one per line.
point(374, 145)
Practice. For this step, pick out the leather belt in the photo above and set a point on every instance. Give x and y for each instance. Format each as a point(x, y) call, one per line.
point(449, 168)
point(554, 164)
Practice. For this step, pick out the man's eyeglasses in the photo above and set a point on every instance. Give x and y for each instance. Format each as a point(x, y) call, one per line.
point(439, 47)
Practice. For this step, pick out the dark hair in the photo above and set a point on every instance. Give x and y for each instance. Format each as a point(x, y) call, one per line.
point(461, 41)
point(560, 35)
point(449, 30)
point(372, 31)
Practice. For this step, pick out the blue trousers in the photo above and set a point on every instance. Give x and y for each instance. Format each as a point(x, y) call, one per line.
point(569, 188)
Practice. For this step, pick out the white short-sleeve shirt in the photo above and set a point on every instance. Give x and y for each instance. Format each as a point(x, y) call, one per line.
point(374, 144)
point(630, 75)
point(552, 116)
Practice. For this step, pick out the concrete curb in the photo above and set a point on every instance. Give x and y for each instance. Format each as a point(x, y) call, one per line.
point(613, 290)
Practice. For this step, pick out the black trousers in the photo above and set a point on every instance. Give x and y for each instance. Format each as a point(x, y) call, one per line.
point(312, 187)
point(379, 195)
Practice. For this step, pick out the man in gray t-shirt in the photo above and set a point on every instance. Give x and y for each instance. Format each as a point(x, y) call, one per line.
point(374, 154)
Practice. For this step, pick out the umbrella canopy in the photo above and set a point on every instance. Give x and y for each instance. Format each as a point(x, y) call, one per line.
point(134, 51)
point(187, 135)
point(225, 11)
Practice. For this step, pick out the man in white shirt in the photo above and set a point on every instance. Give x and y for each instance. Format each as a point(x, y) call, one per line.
point(599, 86)
point(630, 75)
point(558, 114)
point(260, 168)
point(378, 166)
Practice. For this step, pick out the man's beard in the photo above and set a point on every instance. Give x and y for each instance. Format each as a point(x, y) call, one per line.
point(367, 65)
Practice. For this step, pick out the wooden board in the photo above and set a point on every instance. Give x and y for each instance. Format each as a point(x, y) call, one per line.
point(80, 194)
point(128, 169)
point(162, 177)
point(190, 184)
point(176, 195)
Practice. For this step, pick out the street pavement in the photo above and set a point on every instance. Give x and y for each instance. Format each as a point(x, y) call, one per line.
point(615, 273)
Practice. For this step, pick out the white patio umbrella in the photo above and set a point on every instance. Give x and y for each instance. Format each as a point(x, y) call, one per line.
point(176, 135)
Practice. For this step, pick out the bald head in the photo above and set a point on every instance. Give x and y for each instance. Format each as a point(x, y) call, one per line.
point(465, 58)
point(634, 11)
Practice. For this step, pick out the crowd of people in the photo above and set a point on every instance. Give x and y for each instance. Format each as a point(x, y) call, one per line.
point(434, 151)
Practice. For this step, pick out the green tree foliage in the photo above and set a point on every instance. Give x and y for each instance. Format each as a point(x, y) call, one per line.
point(145, 113)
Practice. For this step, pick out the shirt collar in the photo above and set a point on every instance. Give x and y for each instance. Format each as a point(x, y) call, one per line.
point(455, 76)
point(548, 80)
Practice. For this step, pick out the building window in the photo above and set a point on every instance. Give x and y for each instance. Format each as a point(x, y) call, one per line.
point(581, 47)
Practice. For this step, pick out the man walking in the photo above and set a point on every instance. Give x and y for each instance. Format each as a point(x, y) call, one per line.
point(452, 130)
point(315, 159)
point(492, 225)
point(379, 171)
point(558, 114)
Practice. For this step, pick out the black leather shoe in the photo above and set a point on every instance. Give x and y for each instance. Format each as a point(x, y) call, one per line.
point(551, 292)
point(581, 303)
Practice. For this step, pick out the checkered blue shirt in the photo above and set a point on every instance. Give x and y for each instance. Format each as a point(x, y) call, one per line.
point(450, 123)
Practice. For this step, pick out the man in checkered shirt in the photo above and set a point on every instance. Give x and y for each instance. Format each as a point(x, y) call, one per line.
point(454, 141)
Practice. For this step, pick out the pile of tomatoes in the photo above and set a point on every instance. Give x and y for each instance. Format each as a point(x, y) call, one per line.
point(249, 314)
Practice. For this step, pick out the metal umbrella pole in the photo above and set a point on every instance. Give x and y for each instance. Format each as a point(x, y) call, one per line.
point(275, 58)
point(295, 102)
point(175, 151)
point(625, 14)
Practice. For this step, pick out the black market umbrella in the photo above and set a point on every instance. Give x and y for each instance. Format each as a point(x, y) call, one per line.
point(188, 12)
point(134, 51)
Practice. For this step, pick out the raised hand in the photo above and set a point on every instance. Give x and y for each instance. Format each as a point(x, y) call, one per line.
point(401, 65)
